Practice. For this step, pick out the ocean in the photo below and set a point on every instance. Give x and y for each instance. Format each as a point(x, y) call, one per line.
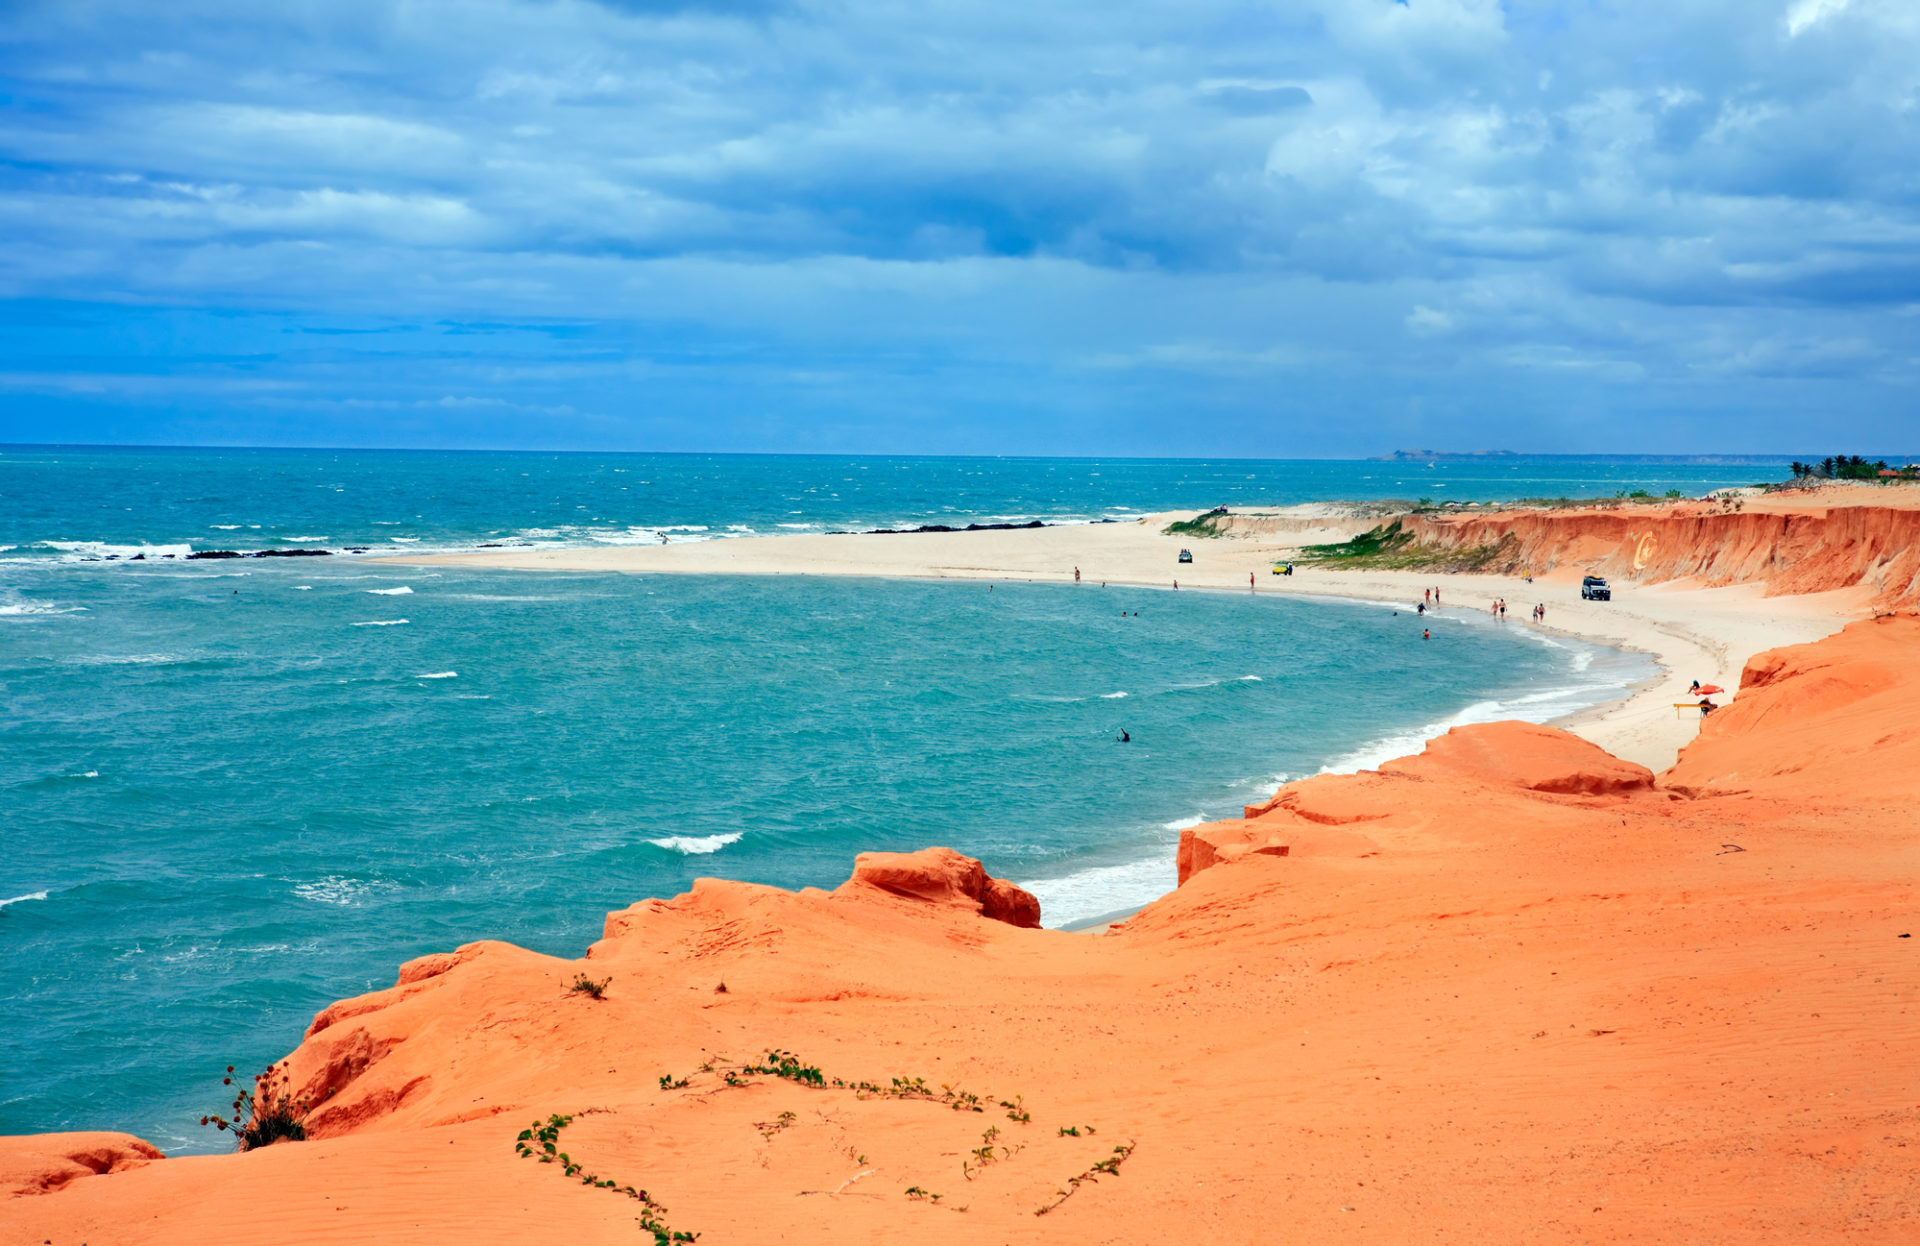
point(232, 791)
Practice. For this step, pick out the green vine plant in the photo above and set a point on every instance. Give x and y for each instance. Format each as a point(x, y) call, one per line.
point(541, 1141)
point(769, 1128)
point(1109, 1166)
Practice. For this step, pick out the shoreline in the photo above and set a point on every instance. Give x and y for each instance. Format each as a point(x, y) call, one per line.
point(1688, 631)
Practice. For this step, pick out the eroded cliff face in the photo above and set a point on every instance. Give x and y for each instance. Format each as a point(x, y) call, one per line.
point(1509, 989)
point(1807, 551)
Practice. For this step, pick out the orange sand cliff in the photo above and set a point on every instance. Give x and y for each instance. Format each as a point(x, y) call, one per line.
point(1512, 990)
point(1798, 542)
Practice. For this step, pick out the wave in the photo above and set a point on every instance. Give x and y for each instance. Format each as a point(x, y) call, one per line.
point(1181, 824)
point(1533, 707)
point(1103, 889)
point(20, 609)
point(84, 551)
point(1111, 696)
point(380, 623)
point(440, 675)
point(340, 890)
point(402, 591)
point(695, 845)
point(32, 895)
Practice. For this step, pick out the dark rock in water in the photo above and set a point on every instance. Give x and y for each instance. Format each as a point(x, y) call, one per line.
point(940, 527)
point(138, 558)
point(216, 553)
point(293, 553)
point(356, 549)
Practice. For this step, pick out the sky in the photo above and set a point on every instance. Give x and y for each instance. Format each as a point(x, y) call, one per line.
point(1301, 228)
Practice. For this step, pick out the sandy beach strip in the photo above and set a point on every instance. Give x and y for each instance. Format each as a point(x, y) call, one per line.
point(1690, 631)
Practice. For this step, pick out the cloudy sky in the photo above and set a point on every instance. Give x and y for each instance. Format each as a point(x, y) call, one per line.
point(1302, 227)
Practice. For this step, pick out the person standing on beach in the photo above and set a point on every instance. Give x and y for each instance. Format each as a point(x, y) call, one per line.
point(1250, 583)
point(1076, 575)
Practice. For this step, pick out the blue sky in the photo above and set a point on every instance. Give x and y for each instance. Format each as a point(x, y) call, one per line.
point(1308, 227)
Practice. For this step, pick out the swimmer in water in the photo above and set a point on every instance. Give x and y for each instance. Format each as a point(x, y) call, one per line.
point(1124, 737)
point(1426, 633)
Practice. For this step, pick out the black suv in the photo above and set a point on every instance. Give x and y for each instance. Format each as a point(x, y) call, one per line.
point(1593, 588)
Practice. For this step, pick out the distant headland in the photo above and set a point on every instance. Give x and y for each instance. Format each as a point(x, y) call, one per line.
point(1425, 456)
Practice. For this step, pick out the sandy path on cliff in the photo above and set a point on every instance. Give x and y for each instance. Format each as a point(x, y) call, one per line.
point(1510, 991)
point(1693, 633)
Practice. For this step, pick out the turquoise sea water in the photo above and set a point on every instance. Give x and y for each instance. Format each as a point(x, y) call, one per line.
point(231, 792)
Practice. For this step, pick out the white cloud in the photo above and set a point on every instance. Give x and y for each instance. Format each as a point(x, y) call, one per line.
point(1804, 14)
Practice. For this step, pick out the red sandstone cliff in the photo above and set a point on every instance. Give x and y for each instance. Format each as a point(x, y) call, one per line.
point(1793, 545)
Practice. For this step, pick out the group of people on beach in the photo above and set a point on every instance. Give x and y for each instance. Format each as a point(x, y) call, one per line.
point(1499, 610)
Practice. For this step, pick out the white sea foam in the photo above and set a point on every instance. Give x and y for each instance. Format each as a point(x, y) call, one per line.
point(381, 623)
point(402, 591)
point(303, 588)
point(1111, 696)
point(87, 774)
point(16, 609)
point(440, 675)
point(32, 895)
point(78, 551)
point(1102, 889)
point(339, 889)
point(404, 540)
point(798, 527)
point(1533, 707)
point(224, 527)
point(695, 845)
point(1181, 824)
